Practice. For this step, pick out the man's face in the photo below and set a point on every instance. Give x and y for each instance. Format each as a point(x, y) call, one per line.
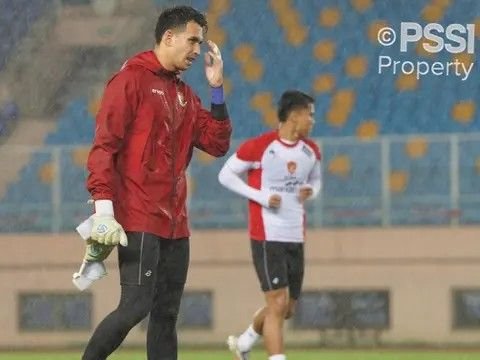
point(304, 119)
point(185, 45)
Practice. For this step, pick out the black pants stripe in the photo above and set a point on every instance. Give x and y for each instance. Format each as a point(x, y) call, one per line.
point(153, 272)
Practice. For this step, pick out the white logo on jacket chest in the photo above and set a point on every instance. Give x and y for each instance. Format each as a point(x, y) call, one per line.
point(157, 92)
point(181, 99)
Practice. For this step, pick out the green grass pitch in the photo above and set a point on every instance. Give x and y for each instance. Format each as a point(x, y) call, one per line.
point(292, 355)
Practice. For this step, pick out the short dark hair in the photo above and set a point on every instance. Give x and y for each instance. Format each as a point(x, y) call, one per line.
point(292, 100)
point(178, 16)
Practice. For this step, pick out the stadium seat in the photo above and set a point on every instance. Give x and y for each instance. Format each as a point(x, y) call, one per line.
point(334, 56)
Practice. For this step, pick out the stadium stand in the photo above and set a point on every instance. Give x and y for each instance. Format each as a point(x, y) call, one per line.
point(16, 18)
point(329, 48)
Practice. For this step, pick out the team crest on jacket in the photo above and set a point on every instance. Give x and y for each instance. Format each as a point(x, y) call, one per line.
point(291, 166)
point(181, 99)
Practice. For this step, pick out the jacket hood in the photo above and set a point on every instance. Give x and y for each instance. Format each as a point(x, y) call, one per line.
point(148, 60)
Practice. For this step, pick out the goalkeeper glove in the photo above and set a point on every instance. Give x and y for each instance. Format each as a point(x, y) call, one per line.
point(92, 267)
point(106, 230)
point(89, 272)
point(96, 251)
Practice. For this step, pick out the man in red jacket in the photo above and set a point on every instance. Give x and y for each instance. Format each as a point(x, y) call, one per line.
point(147, 126)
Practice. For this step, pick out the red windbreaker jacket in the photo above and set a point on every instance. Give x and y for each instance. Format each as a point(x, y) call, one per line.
point(146, 128)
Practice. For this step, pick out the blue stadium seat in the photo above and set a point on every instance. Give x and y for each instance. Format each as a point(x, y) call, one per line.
point(346, 200)
point(16, 18)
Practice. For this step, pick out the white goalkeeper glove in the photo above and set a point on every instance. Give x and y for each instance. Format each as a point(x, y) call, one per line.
point(106, 230)
point(92, 268)
point(88, 273)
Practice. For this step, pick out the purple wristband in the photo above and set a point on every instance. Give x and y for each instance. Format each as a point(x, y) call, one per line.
point(217, 95)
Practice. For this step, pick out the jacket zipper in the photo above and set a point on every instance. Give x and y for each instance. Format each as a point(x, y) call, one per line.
point(173, 149)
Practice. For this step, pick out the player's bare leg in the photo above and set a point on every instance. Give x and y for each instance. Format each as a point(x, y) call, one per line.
point(245, 342)
point(277, 306)
point(259, 317)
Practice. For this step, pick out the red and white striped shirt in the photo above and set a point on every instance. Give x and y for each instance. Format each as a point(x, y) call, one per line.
point(274, 166)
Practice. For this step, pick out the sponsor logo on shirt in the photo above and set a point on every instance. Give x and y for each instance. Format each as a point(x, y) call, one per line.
point(157, 92)
point(291, 185)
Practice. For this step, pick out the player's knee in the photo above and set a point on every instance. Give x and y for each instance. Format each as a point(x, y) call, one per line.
point(165, 314)
point(277, 303)
point(136, 312)
point(142, 312)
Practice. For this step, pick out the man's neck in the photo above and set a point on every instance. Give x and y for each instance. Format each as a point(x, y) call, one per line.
point(162, 58)
point(287, 132)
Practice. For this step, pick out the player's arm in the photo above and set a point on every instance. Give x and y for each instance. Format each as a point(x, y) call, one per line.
point(315, 180)
point(213, 130)
point(230, 177)
point(115, 114)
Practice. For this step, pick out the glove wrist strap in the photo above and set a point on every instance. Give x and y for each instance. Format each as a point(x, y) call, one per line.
point(104, 207)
